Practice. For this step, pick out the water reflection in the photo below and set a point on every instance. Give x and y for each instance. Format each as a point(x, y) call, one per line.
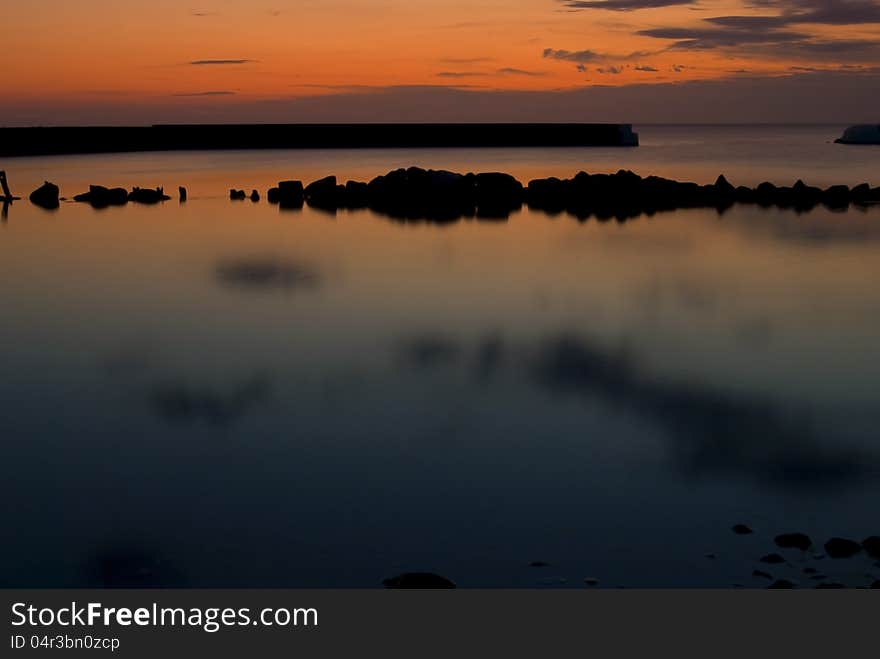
point(464, 398)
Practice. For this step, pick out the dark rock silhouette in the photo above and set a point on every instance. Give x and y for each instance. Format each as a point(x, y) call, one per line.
point(830, 586)
point(837, 196)
point(793, 541)
point(590, 581)
point(324, 193)
point(772, 559)
point(742, 529)
point(46, 196)
point(255, 196)
point(872, 546)
point(810, 570)
point(100, 197)
point(147, 196)
point(842, 548)
point(237, 195)
point(539, 564)
point(289, 194)
point(875, 585)
point(182, 193)
point(760, 574)
point(418, 580)
point(782, 584)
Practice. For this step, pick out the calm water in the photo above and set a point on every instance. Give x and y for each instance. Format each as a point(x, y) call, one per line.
point(224, 394)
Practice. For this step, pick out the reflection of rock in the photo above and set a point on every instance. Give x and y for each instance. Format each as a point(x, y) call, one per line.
point(178, 402)
point(793, 541)
point(842, 548)
point(418, 580)
point(267, 274)
point(46, 196)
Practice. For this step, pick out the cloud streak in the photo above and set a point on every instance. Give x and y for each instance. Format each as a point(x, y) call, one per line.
point(220, 62)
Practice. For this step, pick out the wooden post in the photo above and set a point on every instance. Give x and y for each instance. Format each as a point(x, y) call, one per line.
point(6, 193)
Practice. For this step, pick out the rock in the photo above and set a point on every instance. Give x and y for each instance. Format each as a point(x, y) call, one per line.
point(765, 194)
point(804, 196)
point(418, 580)
point(590, 581)
point(745, 195)
point(830, 586)
point(875, 585)
point(782, 584)
point(322, 193)
point(842, 548)
point(711, 557)
point(773, 559)
point(762, 575)
point(255, 196)
point(794, 541)
point(289, 194)
point(181, 193)
point(147, 196)
point(837, 196)
point(497, 195)
point(861, 194)
point(548, 194)
point(810, 570)
point(539, 564)
point(742, 529)
point(357, 194)
point(872, 547)
point(46, 196)
point(724, 188)
point(100, 197)
point(237, 195)
point(818, 577)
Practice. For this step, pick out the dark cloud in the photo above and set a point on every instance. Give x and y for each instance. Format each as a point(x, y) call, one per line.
point(267, 274)
point(209, 93)
point(460, 74)
point(624, 5)
point(508, 70)
point(220, 62)
point(579, 56)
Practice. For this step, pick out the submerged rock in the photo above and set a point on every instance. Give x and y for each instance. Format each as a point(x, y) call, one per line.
point(46, 196)
point(100, 197)
point(590, 581)
point(760, 574)
point(842, 548)
point(539, 564)
point(830, 586)
point(794, 541)
point(773, 559)
point(742, 529)
point(418, 580)
point(147, 196)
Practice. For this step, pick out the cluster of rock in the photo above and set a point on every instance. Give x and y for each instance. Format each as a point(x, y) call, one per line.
point(836, 549)
point(417, 193)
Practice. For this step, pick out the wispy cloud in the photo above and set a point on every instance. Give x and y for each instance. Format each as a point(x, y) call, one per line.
point(509, 70)
point(220, 62)
point(208, 93)
point(624, 5)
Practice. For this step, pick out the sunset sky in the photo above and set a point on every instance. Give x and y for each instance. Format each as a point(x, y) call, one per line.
point(111, 61)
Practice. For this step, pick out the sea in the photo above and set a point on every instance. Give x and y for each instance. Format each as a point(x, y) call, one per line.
point(229, 394)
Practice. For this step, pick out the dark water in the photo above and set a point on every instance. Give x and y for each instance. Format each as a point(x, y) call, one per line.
point(223, 394)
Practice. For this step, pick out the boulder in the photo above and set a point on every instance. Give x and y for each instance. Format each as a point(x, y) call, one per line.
point(147, 196)
point(837, 196)
point(418, 580)
point(842, 548)
point(322, 193)
point(793, 541)
point(782, 584)
point(237, 195)
point(181, 193)
point(100, 197)
point(289, 194)
point(46, 196)
point(255, 196)
point(872, 546)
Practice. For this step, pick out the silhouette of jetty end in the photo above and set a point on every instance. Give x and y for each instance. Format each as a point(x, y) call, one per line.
point(863, 134)
point(107, 139)
point(4, 186)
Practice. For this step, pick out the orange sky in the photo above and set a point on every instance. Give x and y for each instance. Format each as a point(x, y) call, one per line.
point(115, 52)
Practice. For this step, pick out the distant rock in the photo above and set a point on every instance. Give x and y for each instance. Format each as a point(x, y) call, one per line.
point(46, 196)
point(837, 196)
point(289, 194)
point(830, 586)
point(418, 580)
point(762, 575)
point(860, 134)
point(793, 541)
point(147, 196)
point(875, 585)
point(742, 529)
point(181, 193)
point(255, 196)
point(590, 581)
point(323, 193)
point(773, 559)
point(100, 197)
point(539, 564)
point(842, 548)
point(237, 195)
